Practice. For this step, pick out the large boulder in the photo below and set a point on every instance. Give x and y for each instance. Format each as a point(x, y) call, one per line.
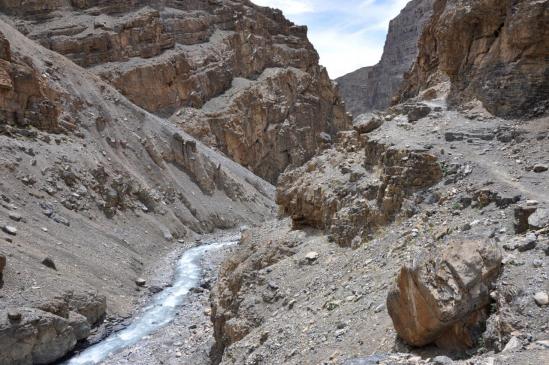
point(539, 219)
point(443, 297)
point(34, 337)
point(366, 123)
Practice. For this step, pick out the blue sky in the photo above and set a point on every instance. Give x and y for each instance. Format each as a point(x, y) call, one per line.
point(348, 34)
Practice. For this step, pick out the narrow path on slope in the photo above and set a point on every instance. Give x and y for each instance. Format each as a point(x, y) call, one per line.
point(165, 306)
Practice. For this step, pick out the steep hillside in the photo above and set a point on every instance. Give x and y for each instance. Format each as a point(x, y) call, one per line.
point(415, 243)
point(373, 88)
point(493, 51)
point(239, 77)
point(94, 192)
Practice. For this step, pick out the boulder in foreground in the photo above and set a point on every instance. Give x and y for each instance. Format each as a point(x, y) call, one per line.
point(35, 337)
point(443, 298)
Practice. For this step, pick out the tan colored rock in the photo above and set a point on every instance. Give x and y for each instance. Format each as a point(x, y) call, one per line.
point(443, 297)
point(365, 123)
point(25, 99)
point(270, 123)
point(492, 50)
point(80, 325)
point(56, 305)
point(356, 187)
point(91, 305)
point(38, 337)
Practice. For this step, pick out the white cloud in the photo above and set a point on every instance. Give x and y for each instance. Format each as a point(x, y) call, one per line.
point(342, 53)
point(348, 34)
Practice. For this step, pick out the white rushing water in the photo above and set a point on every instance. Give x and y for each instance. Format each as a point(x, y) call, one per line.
point(160, 312)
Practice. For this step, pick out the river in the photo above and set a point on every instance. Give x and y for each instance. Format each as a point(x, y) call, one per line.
point(162, 309)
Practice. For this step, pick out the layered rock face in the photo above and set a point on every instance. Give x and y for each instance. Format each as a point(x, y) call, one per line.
point(357, 187)
point(169, 55)
point(444, 298)
point(270, 123)
point(24, 98)
point(373, 88)
point(493, 51)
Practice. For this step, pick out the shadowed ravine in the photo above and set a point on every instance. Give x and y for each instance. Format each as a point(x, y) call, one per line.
point(160, 312)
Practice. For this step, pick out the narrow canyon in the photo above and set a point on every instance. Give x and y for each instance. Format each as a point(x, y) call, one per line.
point(183, 182)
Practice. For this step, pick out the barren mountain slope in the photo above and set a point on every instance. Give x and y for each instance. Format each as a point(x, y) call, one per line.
point(247, 80)
point(100, 187)
point(373, 88)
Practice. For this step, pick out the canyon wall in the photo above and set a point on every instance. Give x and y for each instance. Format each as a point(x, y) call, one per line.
point(494, 51)
point(239, 77)
point(373, 88)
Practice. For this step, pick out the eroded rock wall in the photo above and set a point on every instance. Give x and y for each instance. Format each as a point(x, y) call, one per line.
point(357, 187)
point(25, 99)
point(171, 56)
point(494, 51)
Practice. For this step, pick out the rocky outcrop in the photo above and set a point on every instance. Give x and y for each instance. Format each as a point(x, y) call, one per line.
point(47, 332)
point(494, 51)
point(50, 330)
point(233, 307)
point(90, 305)
point(32, 336)
point(25, 98)
point(270, 123)
point(373, 88)
point(207, 57)
point(443, 298)
point(357, 187)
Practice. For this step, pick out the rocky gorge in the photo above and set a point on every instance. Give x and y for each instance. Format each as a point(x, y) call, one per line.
point(134, 134)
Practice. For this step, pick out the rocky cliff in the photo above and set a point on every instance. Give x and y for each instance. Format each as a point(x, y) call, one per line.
point(94, 192)
point(373, 88)
point(438, 206)
point(239, 77)
point(493, 51)
point(356, 188)
point(418, 237)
